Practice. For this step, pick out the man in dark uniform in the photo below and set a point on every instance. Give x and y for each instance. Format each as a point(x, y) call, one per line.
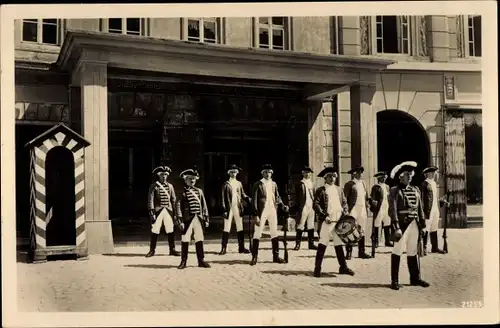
point(358, 202)
point(431, 204)
point(407, 216)
point(192, 217)
point(329, 205)
point(380, 208)
point(233, 196)
point(161, 202)
point(305, 214)
point(265, 203)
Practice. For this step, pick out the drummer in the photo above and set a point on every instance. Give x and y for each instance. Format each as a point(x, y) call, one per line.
point(329, 204)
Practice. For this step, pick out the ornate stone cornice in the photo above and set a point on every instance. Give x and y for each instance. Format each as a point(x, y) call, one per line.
point(423, 36)
point(364, 23)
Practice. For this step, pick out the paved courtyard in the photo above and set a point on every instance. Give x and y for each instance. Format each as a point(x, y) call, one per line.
point(126, 281)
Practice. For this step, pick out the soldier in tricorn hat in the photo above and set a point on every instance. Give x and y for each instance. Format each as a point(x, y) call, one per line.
point(380, 207)
point(305, 214)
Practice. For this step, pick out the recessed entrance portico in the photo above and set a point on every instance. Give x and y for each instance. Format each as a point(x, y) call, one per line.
point(94, 59)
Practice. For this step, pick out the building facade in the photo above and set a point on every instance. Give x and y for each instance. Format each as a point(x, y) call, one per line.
point(290, 91)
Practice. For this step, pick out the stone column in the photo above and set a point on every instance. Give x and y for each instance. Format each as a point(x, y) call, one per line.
point(364, 130)
point(94, 119)
point(439, 39)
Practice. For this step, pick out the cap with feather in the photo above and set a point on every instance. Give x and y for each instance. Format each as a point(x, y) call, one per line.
point(408, 166)
point(327, 170)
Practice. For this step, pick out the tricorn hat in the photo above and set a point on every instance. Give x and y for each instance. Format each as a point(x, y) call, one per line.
point(403, 167)
point(327, 170)
point(306, 168)
point(430, 169)
point(189, 172)
point(233, 167)
point(380, 174)
point(357, 168)
point(161, 169)
point(267, 167)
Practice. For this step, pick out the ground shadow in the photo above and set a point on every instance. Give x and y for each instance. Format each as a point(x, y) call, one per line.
point(131, 254)
point(236, 262)
point(314, 255)
point(308, 273)
point(150, 266)
point(358, 285)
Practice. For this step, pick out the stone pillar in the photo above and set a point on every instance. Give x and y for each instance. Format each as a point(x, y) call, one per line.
point(350, 35)
point(364, 130)
point(344, 133)
point(439, 39)
point(94, 103)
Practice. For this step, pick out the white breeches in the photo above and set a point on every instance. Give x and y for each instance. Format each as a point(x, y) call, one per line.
point(383, 218)
point(233, 215)
point(327, 232)
point(268, 215)
point(432, 223)
point(409, 240)
point(307, 216)
point(360, 214)
point(195, 229)
point(163, 219)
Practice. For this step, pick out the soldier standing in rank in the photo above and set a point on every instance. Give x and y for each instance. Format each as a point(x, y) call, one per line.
point(431, 206)
point(305, 212)
point(161, 202)
point(357, 203)
point(330, 204)
point(265, 203)
point(407, 217)
point(192, 217)
point(380, 208)
point(233, 196)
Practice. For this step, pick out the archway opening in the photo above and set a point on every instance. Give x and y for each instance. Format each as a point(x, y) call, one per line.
point(60, 197)
point(401, 138)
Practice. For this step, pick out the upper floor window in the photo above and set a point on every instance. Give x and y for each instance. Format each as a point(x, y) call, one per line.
point(474, 32)
point(392, 34)
point(205, 29)
point(41, 31)
point(129, 26)
point(272, 33)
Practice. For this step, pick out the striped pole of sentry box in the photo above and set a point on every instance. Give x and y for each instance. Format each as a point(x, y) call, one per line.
point(40, 214)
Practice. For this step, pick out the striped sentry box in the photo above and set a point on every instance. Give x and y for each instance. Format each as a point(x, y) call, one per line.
point(58, 136)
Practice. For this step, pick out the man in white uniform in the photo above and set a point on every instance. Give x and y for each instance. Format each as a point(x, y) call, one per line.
point(357, 202)
point(265, 202)
point(304, 195)
point(407, 217)
point(380, 208)
point(431, 205)
point(329, 205)
point(233, 196)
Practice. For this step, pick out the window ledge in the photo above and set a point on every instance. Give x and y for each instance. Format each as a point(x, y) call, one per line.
point(45, 48)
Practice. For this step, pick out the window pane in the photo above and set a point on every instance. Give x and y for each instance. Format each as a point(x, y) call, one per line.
point(209, 32)
point(379, 30)
point(278, 39)
point(379, 19)
point(43, 112)
point(471, 49)
point(471, 34)
point(405, 31)
point(278, 21)
point(29, 31)
point(477, 36)
point(65, 113)
point(49, 33)
point(56, 112)
point(380, 49)
point(31, 111)
point(134, 26)
point(19, 110)
point(405, 46)
point(50, 21)
point(126, 101)
point(264, 20)
point(193, 30)
point(263, 37)
point(115, 25)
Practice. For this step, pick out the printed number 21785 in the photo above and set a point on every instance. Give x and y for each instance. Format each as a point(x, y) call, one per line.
point(472, 304)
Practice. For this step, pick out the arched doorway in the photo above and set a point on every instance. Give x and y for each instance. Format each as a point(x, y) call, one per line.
point(400, 138)
point(60, 197)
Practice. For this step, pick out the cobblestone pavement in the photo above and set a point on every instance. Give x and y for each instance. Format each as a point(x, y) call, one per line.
point(126, 281)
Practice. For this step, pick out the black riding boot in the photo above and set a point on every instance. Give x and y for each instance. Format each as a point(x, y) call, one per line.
point(361, 249)
point(434, 243)
point(375, 234)
point(225, 239)
point(171, 245)
point(200, 254)
point(255, 251)
point(276, 251)
point(339, 251)
point(152, 245)
point(310, 238)
point(298, 240)
point(241, 243)
point(348, 250)
point(395, 259)
point(320, 253)
point(415, 279)
point(387, 237)
point(424, 242)
point(184, 255)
